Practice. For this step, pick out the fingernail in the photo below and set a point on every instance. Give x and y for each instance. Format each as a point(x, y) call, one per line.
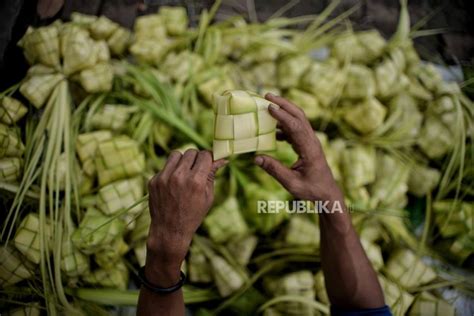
point(273, 107)
point(259, 160)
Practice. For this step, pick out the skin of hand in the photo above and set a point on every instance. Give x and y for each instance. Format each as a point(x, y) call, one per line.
point(180, 197)
point(310, 177)
point(351, 282)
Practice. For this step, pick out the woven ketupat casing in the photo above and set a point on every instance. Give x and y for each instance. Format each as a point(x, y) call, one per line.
point(142, 226)
point(198, 265)
point(301, 231)
point(86, 147)
point(118, 158)
point(27, 237)
point(408, 270)
point(435, 137)
point(13, 267)
point(111, 116)
point(460, 214)
point(102, 51)
point(366, 115)
point(175, 19)
point(226, 221)
point(73, 262)
point(300, 283)
point(427, 304)
point(242, 248)
point(120, 195)
point(181, 65)
point(423, 180)
point(42, 45)
point(102, 28)
point(11, 110)
point(96, 232)
point(358, 165)
point(98, 78)
point(107, 257)
point(37, 89)
point(291, 68)
point(322, 80)
point(242, 124)
point(10, 169)
point(320, 288)
point(77, 48)
point(227, 279)
point(148, 51)
point(140, 252)
point(362, 47)
point(119, 40)
point(115, 277)
point(398, 299)
point(374, 253)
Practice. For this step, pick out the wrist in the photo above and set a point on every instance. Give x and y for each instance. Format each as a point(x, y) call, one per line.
point(161, 271)
point(164, 257)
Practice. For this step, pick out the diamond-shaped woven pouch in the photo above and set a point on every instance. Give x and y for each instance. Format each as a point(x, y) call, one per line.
point(86, 148)
point(13, 267)
point(11, 110)
point(120, 195)
point(118, 158)
point(10, 169)
point(242, 124)
point(96, 231)
point(27, 237)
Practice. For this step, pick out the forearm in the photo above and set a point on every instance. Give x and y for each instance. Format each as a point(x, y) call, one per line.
point(162, 273)
point(351, 282)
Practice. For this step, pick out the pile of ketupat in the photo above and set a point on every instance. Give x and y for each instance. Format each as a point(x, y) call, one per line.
point(84, 131)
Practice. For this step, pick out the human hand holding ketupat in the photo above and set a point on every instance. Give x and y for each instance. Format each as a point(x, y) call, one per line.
point(351, 282)
point(182, 193)
point(180, 197)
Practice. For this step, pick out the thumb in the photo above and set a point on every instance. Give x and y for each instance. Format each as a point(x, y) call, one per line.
point(216, 165)
point(275, 168)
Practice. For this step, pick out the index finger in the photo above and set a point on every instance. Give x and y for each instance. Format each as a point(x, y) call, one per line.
point(299, 134)
point(286, 105)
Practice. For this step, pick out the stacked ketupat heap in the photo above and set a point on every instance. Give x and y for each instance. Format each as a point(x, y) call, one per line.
point(242, 124)
point(11, 145)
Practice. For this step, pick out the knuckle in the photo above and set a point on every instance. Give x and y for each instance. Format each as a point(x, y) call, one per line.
point(195, 181)
point(160, 181)
point(294, 125)
point(292, 186)
point(207, 155)
point(152, 183)
point(175, 179)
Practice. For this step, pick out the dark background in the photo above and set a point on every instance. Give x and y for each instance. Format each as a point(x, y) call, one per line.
point(454, 46)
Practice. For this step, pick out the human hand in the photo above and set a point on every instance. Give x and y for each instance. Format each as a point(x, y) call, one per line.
point(180, 197)
point(310, 177)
